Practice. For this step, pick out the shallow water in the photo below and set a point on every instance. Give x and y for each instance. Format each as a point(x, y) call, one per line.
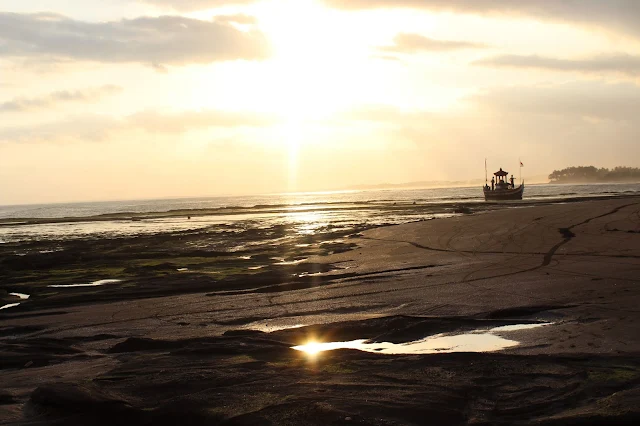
point(93, 284)
point(290, 262)
point(20, 295)
point(486, 340)
point(10, 305)
point(308, 214)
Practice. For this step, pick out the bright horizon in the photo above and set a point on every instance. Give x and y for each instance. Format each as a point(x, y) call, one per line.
point(146, 99)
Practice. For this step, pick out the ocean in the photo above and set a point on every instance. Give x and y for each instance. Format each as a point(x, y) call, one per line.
point(291, 215)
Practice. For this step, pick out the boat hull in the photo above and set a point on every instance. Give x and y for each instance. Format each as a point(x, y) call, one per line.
point(504, 194)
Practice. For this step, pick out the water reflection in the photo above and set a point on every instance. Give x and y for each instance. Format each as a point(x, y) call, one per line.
point(486, 340)
point(93, 284)
point(290, 262)
point(10, 305)
point(20, 295)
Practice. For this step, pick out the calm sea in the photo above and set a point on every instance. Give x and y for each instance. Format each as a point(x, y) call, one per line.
point(300, 213)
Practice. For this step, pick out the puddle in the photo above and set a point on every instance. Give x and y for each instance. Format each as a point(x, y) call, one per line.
point(486, 340)
point(245, 257)
point(291, 262)
point(182, 269)
point(93, 284)
point(309, 274)
point(10, 305)
point(20, 295)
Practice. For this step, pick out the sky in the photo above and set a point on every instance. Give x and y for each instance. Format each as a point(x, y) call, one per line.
point(131, 99)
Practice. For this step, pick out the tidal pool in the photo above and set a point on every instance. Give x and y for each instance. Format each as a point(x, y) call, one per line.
point(486, 340)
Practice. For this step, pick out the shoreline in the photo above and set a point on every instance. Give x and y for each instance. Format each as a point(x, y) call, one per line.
point(436, 205)
point(156, 358)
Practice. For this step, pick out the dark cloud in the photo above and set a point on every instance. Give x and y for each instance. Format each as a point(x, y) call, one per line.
point(413, 43)
point(620, 63)
point(54, 98)
point(620, 15)
point(191, 5)
point(97, 128)
point(164, 40)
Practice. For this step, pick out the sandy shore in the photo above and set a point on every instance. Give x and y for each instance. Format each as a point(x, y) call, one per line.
point(198, 351)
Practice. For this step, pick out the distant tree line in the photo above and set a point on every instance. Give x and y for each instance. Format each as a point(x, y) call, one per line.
point(594, 174)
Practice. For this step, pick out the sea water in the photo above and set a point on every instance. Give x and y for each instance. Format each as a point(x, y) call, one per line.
point(300, 213)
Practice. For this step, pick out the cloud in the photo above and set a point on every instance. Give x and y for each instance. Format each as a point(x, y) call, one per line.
point(586, 100)
point(164, 40)
point(192, 5)
point(94, 128)
point(180, 122)
point(549, 126)
point(620, 63)
point(414, 43)
point(386, 57)
point(54, 98)
point(238, 18)
point(97, 128)
point(382, 114)
point(580, 100)
point(618, 15)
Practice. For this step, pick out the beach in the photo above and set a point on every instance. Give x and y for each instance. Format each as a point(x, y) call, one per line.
point(159, 329)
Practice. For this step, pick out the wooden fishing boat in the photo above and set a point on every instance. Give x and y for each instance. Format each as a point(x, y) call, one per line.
point(502, 189)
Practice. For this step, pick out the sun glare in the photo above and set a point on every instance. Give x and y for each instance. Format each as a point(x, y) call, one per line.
point(293, 139)
point(313, 348)
point(318, 55)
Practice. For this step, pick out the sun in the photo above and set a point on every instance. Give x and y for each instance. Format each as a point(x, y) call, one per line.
point(317, 57)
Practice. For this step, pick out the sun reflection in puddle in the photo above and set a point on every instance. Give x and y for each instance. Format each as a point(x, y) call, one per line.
point(486, 340)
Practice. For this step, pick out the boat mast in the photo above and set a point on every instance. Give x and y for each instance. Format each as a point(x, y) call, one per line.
point(486, 178)
point(520, 164)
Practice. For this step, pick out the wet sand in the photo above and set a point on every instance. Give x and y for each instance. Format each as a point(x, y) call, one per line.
point(193, 348)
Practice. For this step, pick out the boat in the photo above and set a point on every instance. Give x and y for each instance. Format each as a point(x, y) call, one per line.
point(502, 188)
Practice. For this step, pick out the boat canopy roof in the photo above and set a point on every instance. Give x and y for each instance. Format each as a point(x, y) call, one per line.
point(501, 173)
